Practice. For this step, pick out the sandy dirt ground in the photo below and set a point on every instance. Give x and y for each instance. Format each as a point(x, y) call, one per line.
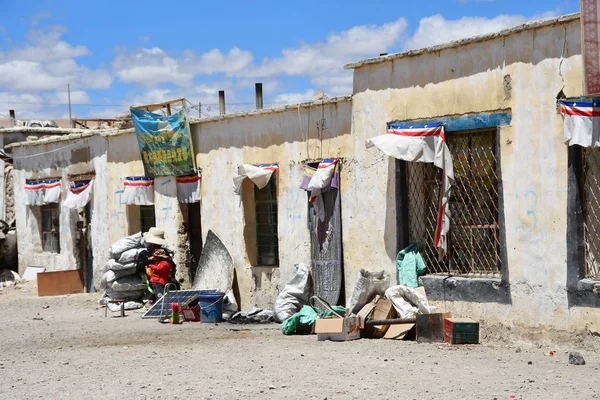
point(64, 348)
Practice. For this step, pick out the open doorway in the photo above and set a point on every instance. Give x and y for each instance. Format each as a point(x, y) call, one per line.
point(84, 244)
point(194, 231)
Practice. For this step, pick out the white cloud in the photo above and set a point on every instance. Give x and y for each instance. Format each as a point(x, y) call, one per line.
point(153, 66)
point(47, 62)
point(437, 29)
point(291, 98)
point(38, 17)
point(62, 97)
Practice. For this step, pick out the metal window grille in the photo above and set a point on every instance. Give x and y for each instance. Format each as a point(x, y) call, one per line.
point(50, 228)
point(473, 240)
point(591, 211)
point(147, 218)
point(267, 240)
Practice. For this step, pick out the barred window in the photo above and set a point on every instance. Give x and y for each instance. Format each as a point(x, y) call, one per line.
point(147, 218)
point(267, 240)
point(50, 228)
point(591, 211)
point(473, 240)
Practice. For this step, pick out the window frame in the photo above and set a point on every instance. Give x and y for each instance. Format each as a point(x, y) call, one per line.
point(272, 203)
point(53, 246)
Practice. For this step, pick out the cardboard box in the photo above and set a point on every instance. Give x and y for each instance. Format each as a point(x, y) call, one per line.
point(461, 331)
point(337, 329)
point(401, 332)
point(384, 309)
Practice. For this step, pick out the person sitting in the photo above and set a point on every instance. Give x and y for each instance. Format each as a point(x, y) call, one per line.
point(159, 271)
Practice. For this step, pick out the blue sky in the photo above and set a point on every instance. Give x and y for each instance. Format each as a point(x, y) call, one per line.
point(121, 53)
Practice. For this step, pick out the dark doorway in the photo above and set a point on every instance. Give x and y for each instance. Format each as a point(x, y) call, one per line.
point(84, 243)
point(195, 236)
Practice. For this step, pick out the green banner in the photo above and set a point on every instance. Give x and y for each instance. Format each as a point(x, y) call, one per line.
point(165, 143)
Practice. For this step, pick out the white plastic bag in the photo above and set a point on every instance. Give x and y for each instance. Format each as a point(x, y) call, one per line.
point(127, 243)
point(294, 295)
point(129, 284)
point(367, 286)
point(129, 305)
point(127, 296)
point(408, 302)
point(130, 255)
point(112, 265)
point(230, 306)
point(112, 275)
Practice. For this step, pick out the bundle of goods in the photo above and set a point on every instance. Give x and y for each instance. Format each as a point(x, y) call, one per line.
point(121, 277)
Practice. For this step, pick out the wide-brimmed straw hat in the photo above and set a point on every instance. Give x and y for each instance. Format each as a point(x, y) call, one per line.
point(155, 236)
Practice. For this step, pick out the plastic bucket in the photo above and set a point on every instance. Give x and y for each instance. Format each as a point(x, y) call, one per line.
point(211, 306)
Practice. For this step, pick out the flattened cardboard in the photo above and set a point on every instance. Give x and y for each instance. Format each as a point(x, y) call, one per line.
point(384, 309)
point(337, 329)
point(57, 283)
point(400, 331)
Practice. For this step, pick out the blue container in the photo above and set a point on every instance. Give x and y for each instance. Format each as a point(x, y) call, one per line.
point(211, 306)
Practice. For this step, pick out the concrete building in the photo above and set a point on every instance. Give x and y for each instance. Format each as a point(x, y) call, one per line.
point(521, 248)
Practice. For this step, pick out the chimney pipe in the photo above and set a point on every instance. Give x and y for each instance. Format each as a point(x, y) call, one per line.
point(259, 95)
point(222, 102)
point(13, 119)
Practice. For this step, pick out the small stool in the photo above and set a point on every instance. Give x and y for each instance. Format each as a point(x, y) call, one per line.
point(122, 302)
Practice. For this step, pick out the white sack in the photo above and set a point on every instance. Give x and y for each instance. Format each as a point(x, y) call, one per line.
point(129, 305)
point(402, 294)
point(294, 295)
point(367, 286)
point(112, 265)
point(130, 283)
point(130, 255)
point(230, 306)
point(127, 243)
point(112, 275)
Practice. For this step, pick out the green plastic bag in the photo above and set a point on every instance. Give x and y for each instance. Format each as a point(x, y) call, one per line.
point(307, 316)
point(410, 266)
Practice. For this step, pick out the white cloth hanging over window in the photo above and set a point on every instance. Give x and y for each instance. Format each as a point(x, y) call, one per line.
point(189, 188)
point(79, 194)
point(320, 182)
point(139, 190)
point(259, 174)
point(425, 143)
point(39, 193)
point(581, 123)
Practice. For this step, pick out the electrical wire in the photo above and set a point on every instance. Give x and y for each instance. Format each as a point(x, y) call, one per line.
point(49, 151)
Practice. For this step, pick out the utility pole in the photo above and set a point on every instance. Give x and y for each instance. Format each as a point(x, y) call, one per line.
point(69, 94)
point(200, 110)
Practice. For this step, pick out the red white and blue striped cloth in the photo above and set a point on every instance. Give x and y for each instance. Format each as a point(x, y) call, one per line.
point(321, 180)
point(189, 188)
point(79, 194)
point(581, 123)
point(259, 174)
point(423, 143)
point(139, 190)
point(41, 192)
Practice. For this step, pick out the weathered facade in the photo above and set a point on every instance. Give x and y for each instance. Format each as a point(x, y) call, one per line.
point(517, 246)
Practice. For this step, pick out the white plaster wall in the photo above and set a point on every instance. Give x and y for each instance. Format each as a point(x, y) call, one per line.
point(470, 79)
point(2, 192)
point(60, 159)
point(287, 138)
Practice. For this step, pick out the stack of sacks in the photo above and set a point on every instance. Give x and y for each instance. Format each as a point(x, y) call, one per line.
point(120, 277)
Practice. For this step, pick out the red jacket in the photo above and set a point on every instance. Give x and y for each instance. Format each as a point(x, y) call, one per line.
point(162, 272)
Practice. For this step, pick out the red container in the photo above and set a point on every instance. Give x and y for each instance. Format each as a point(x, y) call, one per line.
point(191, 314)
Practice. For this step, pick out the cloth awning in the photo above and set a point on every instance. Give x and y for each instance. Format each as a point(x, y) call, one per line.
point(139, 190)
point(425, 143)
point(259, 174)
point(79, 194)
point(318, 181)
point(581, 123)
point(189, 188)
point(41, 192)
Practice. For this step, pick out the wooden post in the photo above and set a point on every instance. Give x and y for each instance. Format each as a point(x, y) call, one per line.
point(168, 108)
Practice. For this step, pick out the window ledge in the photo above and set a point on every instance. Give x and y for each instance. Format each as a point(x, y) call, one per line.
point(585, 294)
point(459, 288)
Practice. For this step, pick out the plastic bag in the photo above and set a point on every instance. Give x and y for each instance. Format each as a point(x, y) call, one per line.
point(111, 275)
point(129, 284)
point(230, 306)
point(408, 302)
point(127, 296)
point(367, 286)
point(294, 295)
point(112, 265)
point(129, 305)
point(130, 255)
point(127, 243)
point(307, 316)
